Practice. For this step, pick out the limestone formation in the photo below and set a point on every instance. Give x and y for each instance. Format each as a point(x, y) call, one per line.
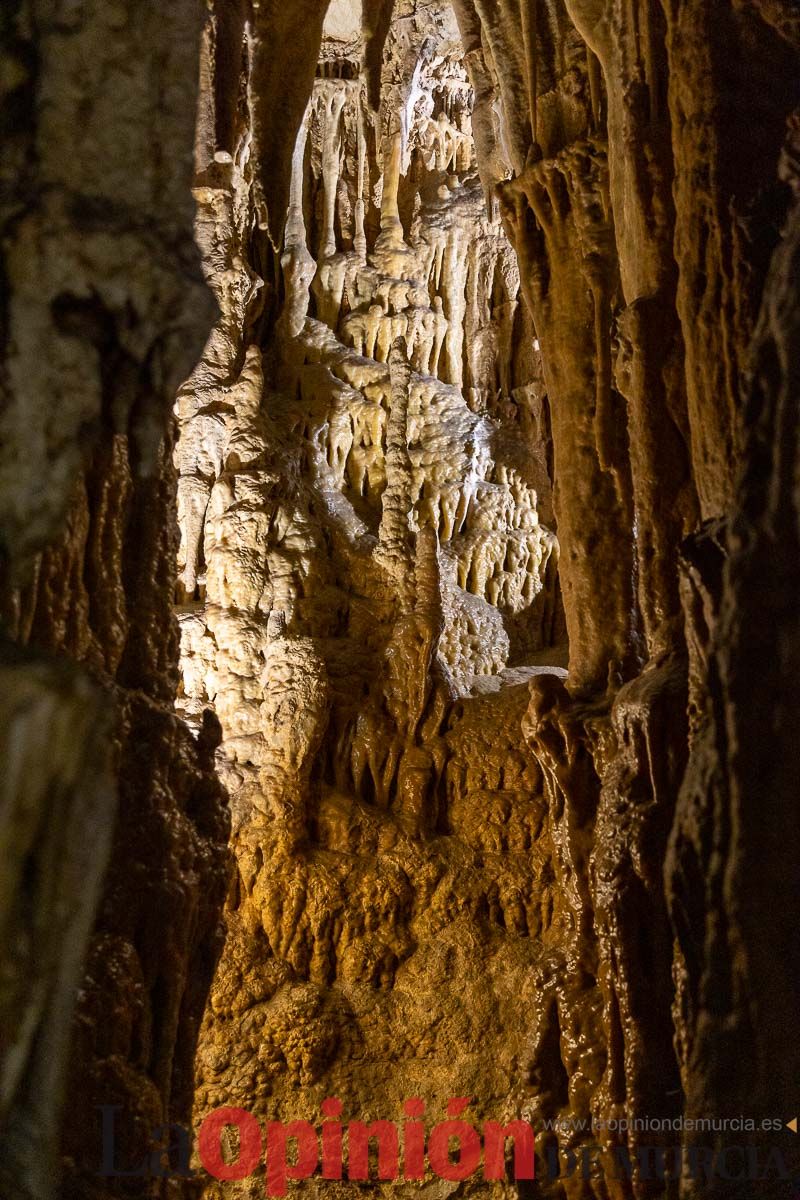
point(365, 582)
point(400, 581)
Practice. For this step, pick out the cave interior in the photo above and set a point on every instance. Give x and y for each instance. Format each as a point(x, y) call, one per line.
point(400, 479)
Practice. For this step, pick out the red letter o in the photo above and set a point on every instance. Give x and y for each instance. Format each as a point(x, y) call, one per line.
point(469, 1150)
point(209, 1143)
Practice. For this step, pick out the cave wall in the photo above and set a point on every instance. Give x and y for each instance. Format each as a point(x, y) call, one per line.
point(454, 871)
point(670, 186)
point(113, 822)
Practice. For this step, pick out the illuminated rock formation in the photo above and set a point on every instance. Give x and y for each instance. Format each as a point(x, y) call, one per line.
point(363, 556)
point(478, 522)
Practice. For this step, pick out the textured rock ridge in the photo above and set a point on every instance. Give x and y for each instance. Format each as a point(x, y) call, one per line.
point(632, 136)
point(112, 824)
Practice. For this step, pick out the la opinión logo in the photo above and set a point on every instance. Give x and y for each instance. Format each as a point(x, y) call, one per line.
point(454, 1150)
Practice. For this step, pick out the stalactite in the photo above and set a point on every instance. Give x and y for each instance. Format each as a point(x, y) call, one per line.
point(595, 86)
point(360, 239)
point(333, 97)
point(377, 19)
point(297, 263)
point(277, 101)
point(529, 10)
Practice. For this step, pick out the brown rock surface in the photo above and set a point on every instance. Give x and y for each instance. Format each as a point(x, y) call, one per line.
point(104, 311)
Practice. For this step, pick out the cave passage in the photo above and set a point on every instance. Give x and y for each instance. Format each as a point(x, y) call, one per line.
point(400, 548)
